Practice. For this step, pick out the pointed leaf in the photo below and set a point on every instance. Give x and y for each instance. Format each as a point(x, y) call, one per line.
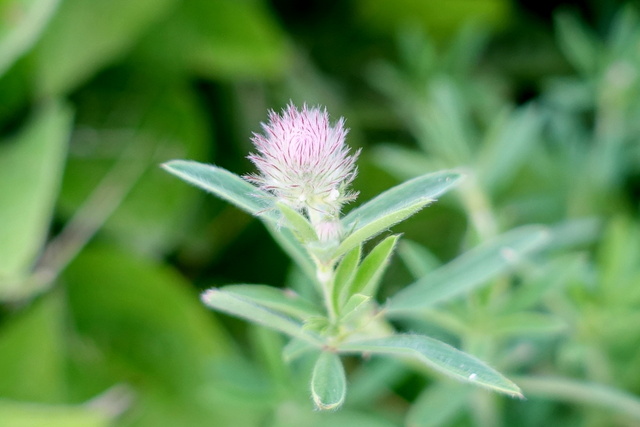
point(372, 268)
point(418, 259)
point(354, 307)
point(283, 301)
point(345, 272)
point(224, 184)
point(300, 225)
point(30, 171)
point(438, 356)
point(577, 43)
point(236, 305)
point(21, 22)
point(328, 382)
point(469, 270)
point(393, 206)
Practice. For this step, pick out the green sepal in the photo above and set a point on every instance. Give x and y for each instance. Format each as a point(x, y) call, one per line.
point(297, 222)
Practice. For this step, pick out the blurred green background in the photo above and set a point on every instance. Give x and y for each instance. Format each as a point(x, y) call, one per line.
point(103, 255)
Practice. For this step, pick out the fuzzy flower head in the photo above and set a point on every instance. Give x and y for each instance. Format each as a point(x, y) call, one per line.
point(304, 161)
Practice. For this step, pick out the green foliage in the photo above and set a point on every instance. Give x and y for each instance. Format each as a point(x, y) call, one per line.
point(530, 264)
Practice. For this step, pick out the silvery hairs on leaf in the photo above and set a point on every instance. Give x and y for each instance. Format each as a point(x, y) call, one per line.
point(304, 161)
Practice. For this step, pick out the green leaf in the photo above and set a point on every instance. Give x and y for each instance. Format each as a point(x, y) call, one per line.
point(518, 325)
point(240, 306)
point(328, 382)
point(220, 39)
point(393, 206)
point(300, 225)
point(345, 272)
point(419, 260)
point(21, 22)
point(509, 147)
point(469, 270)
point(32, 354)
point(113, 168)
point(438, 405)
point(578, 44)
point(224, 184)
point(283, 301)
point(589, 394)
point(85, 36)
point(439, 356)
point(21, 414)
point(371, 269)
point(30, 172)
point(144, 318)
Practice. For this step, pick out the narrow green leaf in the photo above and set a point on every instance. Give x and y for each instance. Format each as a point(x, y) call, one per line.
point(328, 382)
point(524, 324)
point(242, 307)
point(224, 184)
point(372, 268)
point(30, 171)
point(579, 45)
point(582, 392)
point(469, 270)
point(21, 22)
point(283, 301)
point(300, 225)
point(393, 206)
point(438, 405)
point(438, 356)
point(345, 272)
point(419, 260)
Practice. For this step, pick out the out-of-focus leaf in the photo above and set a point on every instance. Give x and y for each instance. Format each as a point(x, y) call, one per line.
point(144, 316)
point(401, 162)
point(504, 153)
point(418, 259)
point(252, 310)
point(149, 120)
point(286, 302)
point(579, 46)
point(85, 36)
point(438, 405)
point(582, 392)
point(443, 19)
point(20, 414)
point(21, 22)
point(30, 171)
point(393, 206)
point(223, 38)
point(32, 354)
point(328, 382)
point(526, 324)
point(438, 356)
point(469, 270)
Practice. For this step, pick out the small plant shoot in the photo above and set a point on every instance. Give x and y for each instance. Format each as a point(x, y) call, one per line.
point(302, 183)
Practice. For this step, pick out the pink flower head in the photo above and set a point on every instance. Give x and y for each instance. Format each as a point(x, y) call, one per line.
point(304, 161)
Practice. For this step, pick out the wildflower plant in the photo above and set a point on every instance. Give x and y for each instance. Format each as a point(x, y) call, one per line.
point(304, 173)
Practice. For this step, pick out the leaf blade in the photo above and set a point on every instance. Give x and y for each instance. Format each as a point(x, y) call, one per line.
point(468, 271)
point(328, 382)
point(393, 206)
point(440, 357)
